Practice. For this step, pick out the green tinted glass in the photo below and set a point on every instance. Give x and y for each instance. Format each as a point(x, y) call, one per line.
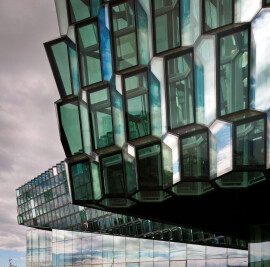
point(60, 54)
point(218, 13)
point(180, 90)
point(233, 72)
point(136, 88)
point(112, 169)
point(89, 54)
point(96, 181)
point(85, 127)
point(149, 166)
point(79, 10)
point(70, 123)
point(124, 31)
point(130, 168)
point(101, 118)
point(194, 155)
point(167, 24)
point(250, 144)
point(167, 164)
point(81, 182)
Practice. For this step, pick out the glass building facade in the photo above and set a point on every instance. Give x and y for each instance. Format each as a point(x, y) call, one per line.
point(65, 248)
point(163, 114)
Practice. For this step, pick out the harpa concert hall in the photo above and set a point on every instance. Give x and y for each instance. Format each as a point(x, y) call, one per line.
point(164, 117)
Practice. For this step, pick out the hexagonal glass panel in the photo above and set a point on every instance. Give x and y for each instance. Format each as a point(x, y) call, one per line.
point(233, 72)
point(89, 53)
point(113, 174)
point(130, 170)
point(151, 196)
point(217, 13)
point(96, 181)
point(195, 156)
point(137, 105)
point(250, 144)
point(149, 166)
point(101, 118)
point(81, 181)
point(166, 24)
point(191, 188)
point(180, 90)
point(124, 33)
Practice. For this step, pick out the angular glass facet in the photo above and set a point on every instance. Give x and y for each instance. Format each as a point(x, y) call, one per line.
point(245, 10)
point(180, 91)
point(233, 72)
point(78, 10)
point(137, 105)
point(89, 54)
point(194, 155)
point(62, 16)
point(190, 21)
point(81, 181)
point(192, 188)
point(260, 61)
point(124, 32)
point(149, 166)
point(70, 123)
point(250, 144)
point(96, 181)
point(101, 118)
point(167, 24)
point(113, 174)
point(217, 13)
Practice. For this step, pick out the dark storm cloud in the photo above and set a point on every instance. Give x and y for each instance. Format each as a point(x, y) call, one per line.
point(29, 141)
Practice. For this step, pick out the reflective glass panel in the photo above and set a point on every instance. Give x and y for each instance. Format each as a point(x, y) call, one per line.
point(217, 13)
point(194, 155)
point(101, 118)
point(167, 25)
point(81, 182)
point(130, 170)
point(149, 166)
point(136, 93)
point(78, 10)
point(96, 181)
point(113, 175)
point(180, 90)
point(89, 54)
point(250, 144)
point(124, 31)
point(233, 72)
point(132, 249)
point(70, 123)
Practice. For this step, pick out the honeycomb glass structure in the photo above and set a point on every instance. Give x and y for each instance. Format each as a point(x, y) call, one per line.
point(162, 98)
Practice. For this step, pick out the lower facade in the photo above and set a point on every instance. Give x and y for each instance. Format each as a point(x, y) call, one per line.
point(69, 248)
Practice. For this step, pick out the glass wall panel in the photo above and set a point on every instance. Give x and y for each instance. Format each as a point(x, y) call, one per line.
point(96, 181)
point(260, 71)
point(89, 54)
point(70, 123)
point(250, 144)
point(137, 105)
point(166, 25)
point(119, 249)
point(178, 251)
point(107, 251)
point(180, 91)
point(195, 252)
point(161, 250)
point(85, 127)
point(130, 171)
point(101, 118)
point(146, 250)
point(233, 72)
point(217, 13)
point(86, 250)
point(96, 249)
point(62, 16)
point(149, 166)
point(124, 32)
point(132, 249)
point(81, 181)
point(195, 159)
point(78, 10)
point(190, 21)
point(245, 10)
point(112, 170)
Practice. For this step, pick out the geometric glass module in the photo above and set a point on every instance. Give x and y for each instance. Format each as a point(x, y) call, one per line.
point(81, 182)
point(166, 25)
point(250, 144)
point(137, 105)
point(82, 9)
point(218, 13)
point(101, 117)
point(69, 121)
point(195, 156)
point(233, 72)
point(124, 35)
point(180, 90)
point(89, 53)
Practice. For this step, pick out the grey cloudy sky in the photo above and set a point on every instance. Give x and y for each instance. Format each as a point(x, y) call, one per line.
point(29, 141)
